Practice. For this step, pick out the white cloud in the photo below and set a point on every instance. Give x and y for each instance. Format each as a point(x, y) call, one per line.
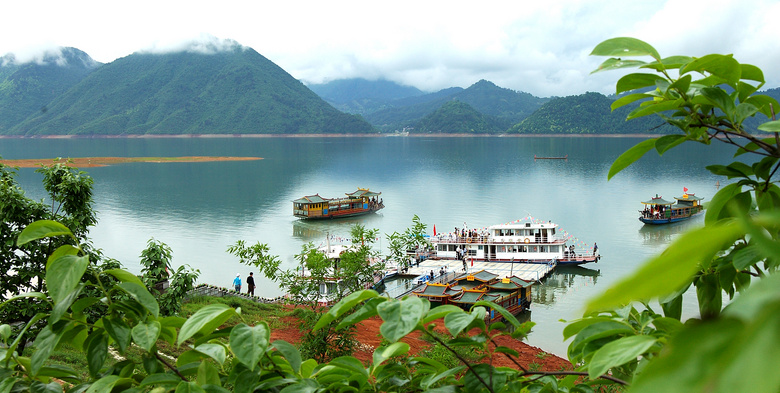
point(538, 48)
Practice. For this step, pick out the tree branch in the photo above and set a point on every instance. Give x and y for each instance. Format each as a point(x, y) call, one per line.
point(580, 373)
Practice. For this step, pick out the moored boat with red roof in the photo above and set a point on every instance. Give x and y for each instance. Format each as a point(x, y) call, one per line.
point(659, 211)
point(315, 207)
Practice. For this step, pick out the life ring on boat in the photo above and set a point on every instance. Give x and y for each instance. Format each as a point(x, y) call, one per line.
point(527, 241)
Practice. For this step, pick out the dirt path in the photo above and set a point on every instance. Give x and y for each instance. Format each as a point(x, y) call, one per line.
point(90, 162)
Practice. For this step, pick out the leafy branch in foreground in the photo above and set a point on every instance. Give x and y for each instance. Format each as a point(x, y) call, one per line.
point(735, 254)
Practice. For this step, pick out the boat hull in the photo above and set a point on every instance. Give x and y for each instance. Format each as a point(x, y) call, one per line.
point(662, 221)
point(339, 214)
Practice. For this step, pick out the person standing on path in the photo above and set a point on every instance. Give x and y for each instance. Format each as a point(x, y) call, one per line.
point(250, 283)
point(237, 282)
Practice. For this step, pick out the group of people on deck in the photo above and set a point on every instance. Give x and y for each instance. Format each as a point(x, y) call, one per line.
point(657, 211)
point(373, 203)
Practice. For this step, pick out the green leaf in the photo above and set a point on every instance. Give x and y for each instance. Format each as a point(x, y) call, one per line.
point(616, 64)
point(249, 343)
point(118, 330)
point(428, 382)
point(722, 66)
point(458, 322)
point(64, 274)
point(218, 352)
point(46, 341)
point(142, 296)
point(504, 313)
point(770, 126)
point(625, 46)
point(718, 202)
point(161, 379)
point(205, 320)
point(344, 306)
point(42, 229)
point(188, 387)
point(124, 276)
point(751, 72)
point(146, 334)
point(401, 317)
point(208, 374)
point(636, 81)
point(617, 353)
point(351, 364)
point(97, 352)
point(630, 156)
point(107, 384)
point(625, 100)
point(721, 100)
point(383, 353)
point(654, 107)
point(594, 332)
point(61, 251)
point(671, 270)
point(765, 104)
point(440, 312)
point(290, 352)
point(666, 142)
point(368, 310)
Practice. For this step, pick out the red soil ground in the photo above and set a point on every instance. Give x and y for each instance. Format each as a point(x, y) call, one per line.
point(369, 338)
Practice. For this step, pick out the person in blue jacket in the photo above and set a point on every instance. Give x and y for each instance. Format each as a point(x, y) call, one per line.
point(237, 282)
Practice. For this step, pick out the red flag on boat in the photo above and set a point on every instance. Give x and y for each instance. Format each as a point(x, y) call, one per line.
point(434, 229)
point(685, 189)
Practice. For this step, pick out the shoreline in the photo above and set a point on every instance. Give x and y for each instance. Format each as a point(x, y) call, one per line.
point(215, 136)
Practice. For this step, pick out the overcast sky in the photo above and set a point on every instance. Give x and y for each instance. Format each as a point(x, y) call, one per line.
point(522, 45)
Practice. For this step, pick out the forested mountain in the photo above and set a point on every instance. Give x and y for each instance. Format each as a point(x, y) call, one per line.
point(587, 113)
point(506, 106)
point(361, 96)
point(456, 117)
point(26, 89)
point(234, 91)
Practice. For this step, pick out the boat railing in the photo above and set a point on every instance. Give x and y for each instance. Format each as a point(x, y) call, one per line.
point(489, 240)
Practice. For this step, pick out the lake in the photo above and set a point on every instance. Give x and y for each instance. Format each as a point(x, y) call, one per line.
point(199, 209)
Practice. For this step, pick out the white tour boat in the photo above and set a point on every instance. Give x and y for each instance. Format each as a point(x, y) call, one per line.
point(523, 241)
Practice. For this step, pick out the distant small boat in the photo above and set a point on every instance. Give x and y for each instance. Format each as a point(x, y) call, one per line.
point(362, 201)
point(566, 157)
point(659, 211)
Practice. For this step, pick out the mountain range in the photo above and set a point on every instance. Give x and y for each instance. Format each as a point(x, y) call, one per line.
point(238, 91)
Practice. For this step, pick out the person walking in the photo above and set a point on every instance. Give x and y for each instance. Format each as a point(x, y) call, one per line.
point(250, 283)
point(237, 282)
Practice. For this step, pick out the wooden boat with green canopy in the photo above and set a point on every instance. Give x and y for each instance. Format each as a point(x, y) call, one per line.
point(659, 211)
point(315, 207)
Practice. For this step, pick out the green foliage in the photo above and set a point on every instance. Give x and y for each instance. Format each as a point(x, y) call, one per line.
point(27, 89)
point(455, 117)
point(735, 254)
point(23, 260)
point(500, 106)
point(155, 262)
point(411, 240)
point(236, 91)
point(587, 113)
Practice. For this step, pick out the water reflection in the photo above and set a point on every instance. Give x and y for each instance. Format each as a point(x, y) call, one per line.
point(561, 280)
point(660, 235)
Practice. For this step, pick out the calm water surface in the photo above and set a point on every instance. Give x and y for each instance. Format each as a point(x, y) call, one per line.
point(199, 209)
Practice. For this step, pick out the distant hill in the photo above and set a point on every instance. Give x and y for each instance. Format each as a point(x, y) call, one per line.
point(236, 91)
point(506, 106)
point(587, 113)
point(26, 89)
point(361, 96)
point(456, 117)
